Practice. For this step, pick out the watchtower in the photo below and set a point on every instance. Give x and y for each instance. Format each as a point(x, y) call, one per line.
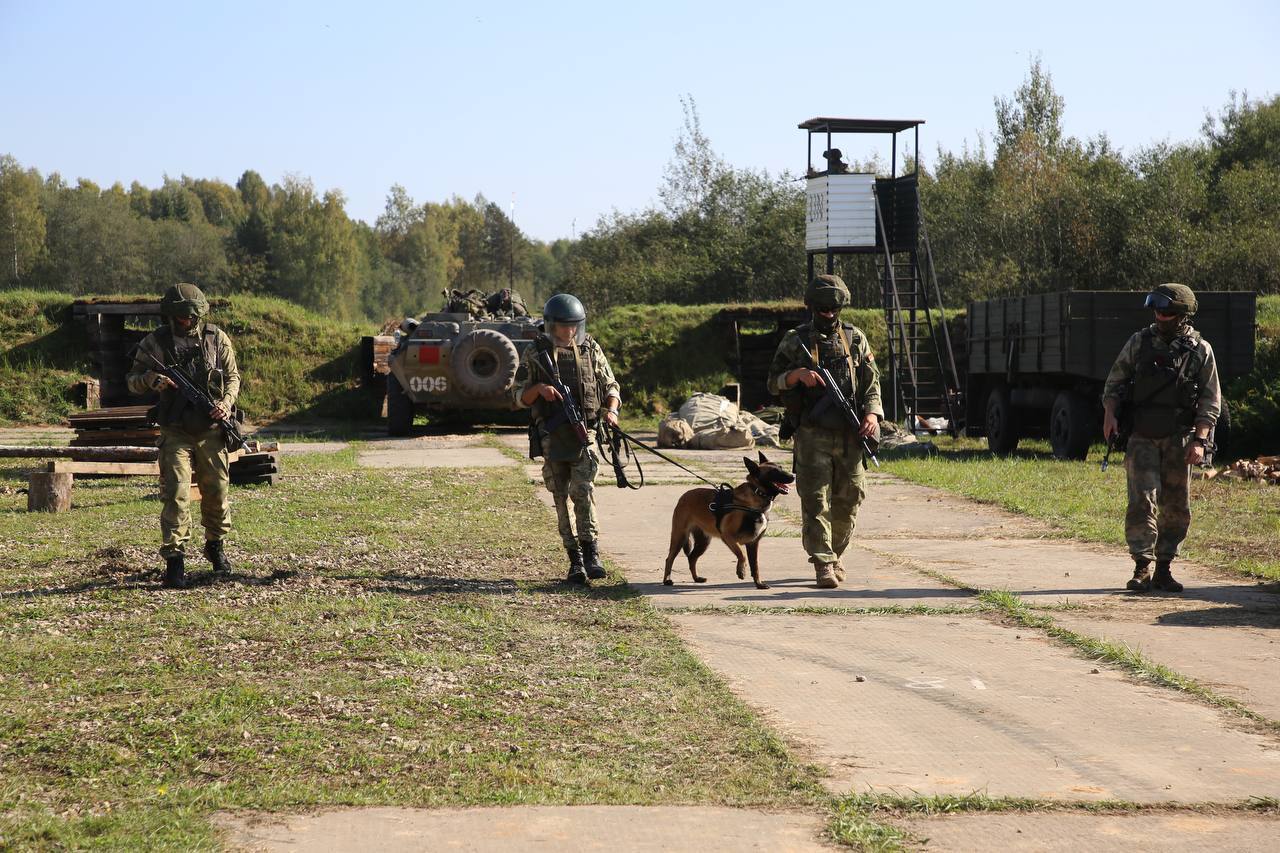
point(851, 212)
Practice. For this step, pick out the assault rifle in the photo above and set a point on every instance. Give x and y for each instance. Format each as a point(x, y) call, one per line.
point(835, 397)
point(204, 404)
point(568, 406)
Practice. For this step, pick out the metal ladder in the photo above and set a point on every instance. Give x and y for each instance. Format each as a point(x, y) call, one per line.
point(926, 383)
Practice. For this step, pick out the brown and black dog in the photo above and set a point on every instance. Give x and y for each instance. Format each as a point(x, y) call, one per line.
point(696, 521)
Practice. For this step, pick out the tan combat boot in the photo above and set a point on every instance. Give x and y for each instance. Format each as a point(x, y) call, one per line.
point(826, 576)
point(838, 568)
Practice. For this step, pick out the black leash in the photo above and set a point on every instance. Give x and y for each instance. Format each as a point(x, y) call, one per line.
point(620, 441)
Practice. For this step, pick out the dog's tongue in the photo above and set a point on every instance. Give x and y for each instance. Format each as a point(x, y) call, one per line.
point(783, 488)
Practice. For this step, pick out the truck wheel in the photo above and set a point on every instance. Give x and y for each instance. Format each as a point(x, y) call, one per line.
point(484, 363)
point(399, 408)
point(1002, 423)
point(1071, 426)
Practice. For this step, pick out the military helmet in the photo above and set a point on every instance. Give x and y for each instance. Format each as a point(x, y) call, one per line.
point(184, 300)
point(565, 309)
point(827, 293)
point(1172, 299)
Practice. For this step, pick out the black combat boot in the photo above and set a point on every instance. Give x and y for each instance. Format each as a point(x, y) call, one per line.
point(1141, 580)
point(591, 556)
point(175, 573)
point(577, 572)
point(217, 557)
point(1164, 579)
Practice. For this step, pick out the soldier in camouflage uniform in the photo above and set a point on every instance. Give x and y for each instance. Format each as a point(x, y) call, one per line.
point(1168, 374)
point(568, 468)
point(828, 454)
point(187, 438)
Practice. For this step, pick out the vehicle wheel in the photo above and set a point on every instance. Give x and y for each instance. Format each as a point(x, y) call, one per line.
point(1071, 426)
point(1002, 424)
point(399, 408)
point(484, 363)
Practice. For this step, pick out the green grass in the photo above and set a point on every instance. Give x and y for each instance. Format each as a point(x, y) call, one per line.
point(1235, 524)
point(389, 638)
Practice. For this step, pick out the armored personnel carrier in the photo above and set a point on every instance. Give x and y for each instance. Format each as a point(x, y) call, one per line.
point(457, 365)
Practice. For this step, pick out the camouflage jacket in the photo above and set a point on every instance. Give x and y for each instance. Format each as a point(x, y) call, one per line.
point(865, 379)
point(219, 375)
point(1202, 373)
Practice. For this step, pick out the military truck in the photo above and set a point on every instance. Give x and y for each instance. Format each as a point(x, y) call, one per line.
point(454, 365)
point(1037, 363)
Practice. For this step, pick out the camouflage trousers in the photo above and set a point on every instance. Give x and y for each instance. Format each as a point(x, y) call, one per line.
point(831, 484)
point(573, 481)
point(180, 452)
point(1159, 496)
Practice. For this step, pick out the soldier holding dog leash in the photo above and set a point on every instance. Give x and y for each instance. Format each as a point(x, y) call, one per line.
point(567, 382)
point(829, 452)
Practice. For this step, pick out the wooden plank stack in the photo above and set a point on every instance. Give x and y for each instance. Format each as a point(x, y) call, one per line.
point(259, 464)
point(115, 427)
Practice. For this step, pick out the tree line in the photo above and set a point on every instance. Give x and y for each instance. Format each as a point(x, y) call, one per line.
point(1031, 209)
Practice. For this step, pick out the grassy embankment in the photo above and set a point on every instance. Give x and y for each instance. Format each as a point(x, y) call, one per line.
point(369, 651)
point(295, 363)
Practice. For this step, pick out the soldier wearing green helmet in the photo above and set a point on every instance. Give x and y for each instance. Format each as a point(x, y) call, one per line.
point(569, 468)
point(189, 439)
point(1168, 374)
point(828, 453)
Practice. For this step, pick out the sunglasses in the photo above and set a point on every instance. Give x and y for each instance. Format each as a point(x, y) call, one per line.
point(1158, 301)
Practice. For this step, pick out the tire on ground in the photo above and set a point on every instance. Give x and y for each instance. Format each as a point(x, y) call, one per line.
point(484, 363)
point(1071, 425)
point(1002, 422)
point(399, 408)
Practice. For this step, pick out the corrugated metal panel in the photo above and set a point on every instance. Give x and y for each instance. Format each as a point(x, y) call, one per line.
point(840, 212)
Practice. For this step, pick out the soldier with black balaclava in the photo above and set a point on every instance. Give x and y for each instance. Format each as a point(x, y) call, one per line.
point(1168, 374)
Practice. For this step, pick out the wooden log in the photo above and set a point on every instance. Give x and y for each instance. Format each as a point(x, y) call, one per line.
point(49, 491)
point(120, 469)
point(87, 454)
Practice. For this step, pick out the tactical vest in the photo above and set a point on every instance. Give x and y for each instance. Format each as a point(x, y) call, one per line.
point(198, 358)
point(1166, 389)
point(577, 371)
point(838, 358)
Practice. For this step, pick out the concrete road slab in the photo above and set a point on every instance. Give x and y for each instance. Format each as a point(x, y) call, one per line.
point(1057, 832)
point(1062, 571)
point(952, 705)
point(894, 508)
point(632, 829)
point(636, 531)
point(1232, 651)
point(434, 457)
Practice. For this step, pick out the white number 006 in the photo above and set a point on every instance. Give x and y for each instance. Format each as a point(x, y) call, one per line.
point(429, 384)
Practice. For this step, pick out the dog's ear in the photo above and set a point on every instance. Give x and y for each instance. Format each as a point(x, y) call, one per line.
point(763, 460)
point(752, 467)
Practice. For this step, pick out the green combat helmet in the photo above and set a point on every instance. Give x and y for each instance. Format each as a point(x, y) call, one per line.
point(1172, 299)
point(184, 300)
point(826, 293)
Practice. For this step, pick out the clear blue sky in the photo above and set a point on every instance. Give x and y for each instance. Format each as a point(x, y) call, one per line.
point(573, 107)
